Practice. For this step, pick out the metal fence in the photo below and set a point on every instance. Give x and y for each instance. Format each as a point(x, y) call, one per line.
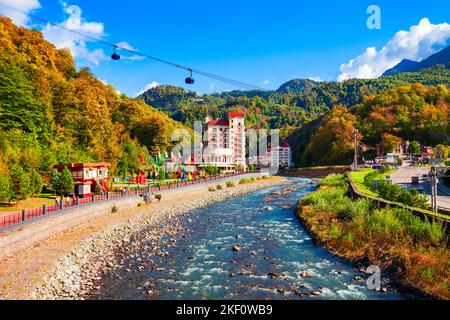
point(30, 214)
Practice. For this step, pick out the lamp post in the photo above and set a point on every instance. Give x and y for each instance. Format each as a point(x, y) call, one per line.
point(356, 134)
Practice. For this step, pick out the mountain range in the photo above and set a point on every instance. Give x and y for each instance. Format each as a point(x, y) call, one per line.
point(300, 107)
point(441, 57)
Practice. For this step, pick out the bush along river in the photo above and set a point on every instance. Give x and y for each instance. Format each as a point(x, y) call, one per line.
point(251, 247)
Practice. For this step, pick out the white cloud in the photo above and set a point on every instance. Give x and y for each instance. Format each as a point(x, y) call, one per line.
point(149, 86)
point(418, 43)
point(266, 82)
point(317, 79)
point(125, 45)
point(21, 17)
point(77, 43)
point(212, 86)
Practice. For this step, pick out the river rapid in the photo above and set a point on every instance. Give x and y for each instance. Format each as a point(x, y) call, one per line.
point(250, 247)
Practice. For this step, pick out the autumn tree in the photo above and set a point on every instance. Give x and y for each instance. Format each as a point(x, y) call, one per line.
point(333, 143)
point(390, 142)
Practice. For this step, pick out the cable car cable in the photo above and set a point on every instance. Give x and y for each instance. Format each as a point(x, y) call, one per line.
point(115, 56)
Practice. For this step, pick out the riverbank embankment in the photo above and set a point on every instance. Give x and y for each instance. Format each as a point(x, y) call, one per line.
point(48, 269)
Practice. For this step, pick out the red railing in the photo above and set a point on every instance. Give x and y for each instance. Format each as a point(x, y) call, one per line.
point(30, 214)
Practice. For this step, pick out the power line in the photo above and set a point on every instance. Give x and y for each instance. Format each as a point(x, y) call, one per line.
point(135, 52)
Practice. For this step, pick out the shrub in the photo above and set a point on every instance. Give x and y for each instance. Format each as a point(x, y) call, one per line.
point(334, 180)
point(219, 187)
point(230, 184)
point(369, 178)
point(385, 169)
point(114, 209)
point(393, 192)
point(384, 221)
point(348, 237)
point(335, 231)
point(245, 181)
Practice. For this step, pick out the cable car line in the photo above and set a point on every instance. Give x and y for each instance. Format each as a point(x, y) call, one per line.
point(115, 56)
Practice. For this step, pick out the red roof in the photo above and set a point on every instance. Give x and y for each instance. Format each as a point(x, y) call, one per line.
point(236, 115)
point(218, 122)
point(83, 165)
point(286, 145)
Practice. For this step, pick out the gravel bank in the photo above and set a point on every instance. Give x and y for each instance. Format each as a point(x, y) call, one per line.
point(76, 273)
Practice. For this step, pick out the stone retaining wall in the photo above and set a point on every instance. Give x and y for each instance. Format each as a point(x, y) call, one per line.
point(385, 203)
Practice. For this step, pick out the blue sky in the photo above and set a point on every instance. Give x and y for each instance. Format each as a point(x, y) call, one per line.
point(265, 43)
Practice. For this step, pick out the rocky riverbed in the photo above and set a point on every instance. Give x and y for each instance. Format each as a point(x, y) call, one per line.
point(77, 273)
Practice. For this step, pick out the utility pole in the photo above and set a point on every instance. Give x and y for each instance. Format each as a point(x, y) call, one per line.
point(356, 134)
point(434, 189)
point(436, 174)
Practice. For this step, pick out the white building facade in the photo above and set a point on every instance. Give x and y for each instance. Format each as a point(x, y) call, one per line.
point(281, 156)
point(225, 140)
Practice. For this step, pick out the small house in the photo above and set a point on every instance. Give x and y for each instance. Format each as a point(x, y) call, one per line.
point(87, 176)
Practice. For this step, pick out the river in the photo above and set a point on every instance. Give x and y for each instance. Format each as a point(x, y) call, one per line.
point(273, 258)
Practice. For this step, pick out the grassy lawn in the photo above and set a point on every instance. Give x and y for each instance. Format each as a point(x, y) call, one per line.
point(358, 180)
point(6, 208)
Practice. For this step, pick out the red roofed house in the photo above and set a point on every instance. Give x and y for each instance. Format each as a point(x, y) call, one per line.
point(87, 176)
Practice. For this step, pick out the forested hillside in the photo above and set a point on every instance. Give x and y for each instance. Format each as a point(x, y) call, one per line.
point(304, 111)
point(413, 113)
point(51, 113)
point(293, 105)
point(442, 57)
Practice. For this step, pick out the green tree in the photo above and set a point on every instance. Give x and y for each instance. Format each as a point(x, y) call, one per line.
point(162, 174)
point(37, 183)
point(390, 142)
point(211, 170)
point(21, 184)
point(62, 183)
point(442, 151)
point(414, 147)
point(5, 187)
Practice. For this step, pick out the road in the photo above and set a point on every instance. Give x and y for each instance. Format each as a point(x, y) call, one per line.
point(406, 172)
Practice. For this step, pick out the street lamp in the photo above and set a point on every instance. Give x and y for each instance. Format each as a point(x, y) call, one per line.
point(356, 134)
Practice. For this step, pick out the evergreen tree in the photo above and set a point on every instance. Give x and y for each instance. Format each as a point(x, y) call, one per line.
point(5, 187)
point(62, 183)
point(37, 183)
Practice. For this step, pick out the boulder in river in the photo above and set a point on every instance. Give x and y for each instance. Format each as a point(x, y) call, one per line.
point(306, 274)
point(275, 275)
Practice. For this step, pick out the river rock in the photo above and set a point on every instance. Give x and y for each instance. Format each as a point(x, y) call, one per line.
point(306, 274)
point(275, 275)
point(237, 248)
